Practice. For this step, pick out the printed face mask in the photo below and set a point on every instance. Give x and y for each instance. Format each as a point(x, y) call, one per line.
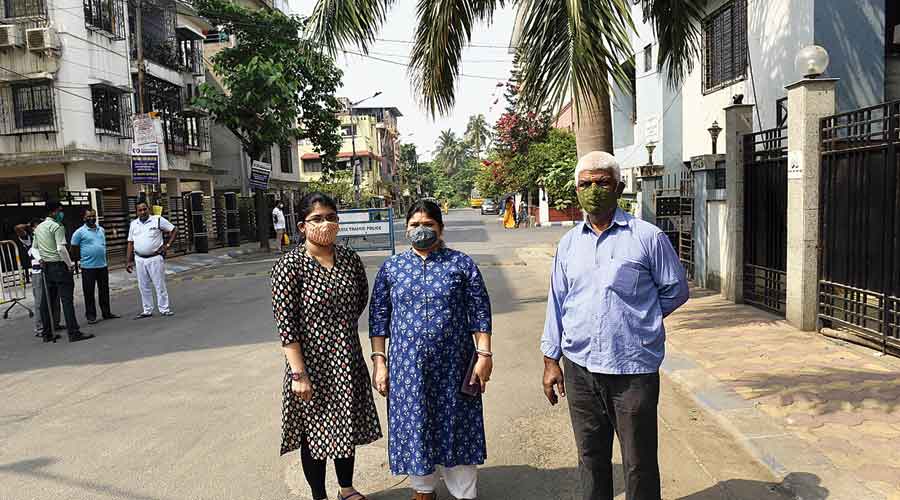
point(596, 200)
point(422, 237)
point(323, 234)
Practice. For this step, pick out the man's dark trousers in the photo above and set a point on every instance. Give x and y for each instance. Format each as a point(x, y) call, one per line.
point(99, 277)
point(625, 405)
point(60, 284)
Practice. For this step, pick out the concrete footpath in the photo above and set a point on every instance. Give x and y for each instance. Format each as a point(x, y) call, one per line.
point(120, 280)
point(822, 415)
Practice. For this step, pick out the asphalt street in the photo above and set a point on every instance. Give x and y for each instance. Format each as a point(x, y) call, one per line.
point(189, 407)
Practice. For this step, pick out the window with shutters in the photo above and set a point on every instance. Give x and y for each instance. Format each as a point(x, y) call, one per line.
point(287, 165)
point(725, 46)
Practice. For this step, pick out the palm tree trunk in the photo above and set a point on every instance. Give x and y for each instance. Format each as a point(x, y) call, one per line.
point(593, 124)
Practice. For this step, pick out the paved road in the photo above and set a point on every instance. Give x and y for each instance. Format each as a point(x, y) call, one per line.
point(189, 407)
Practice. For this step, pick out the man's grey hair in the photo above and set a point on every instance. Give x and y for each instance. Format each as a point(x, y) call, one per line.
point(598, 160)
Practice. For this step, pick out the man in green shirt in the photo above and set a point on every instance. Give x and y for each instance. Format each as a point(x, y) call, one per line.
point(50, 240)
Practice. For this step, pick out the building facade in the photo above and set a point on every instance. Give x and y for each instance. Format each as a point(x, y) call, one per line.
point(371, 135)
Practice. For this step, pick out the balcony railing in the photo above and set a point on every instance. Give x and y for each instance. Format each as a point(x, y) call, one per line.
point(28, 107)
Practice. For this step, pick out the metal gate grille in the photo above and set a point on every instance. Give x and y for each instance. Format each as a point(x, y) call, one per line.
point(859, 287)
point(675, 216)
point(765, 219)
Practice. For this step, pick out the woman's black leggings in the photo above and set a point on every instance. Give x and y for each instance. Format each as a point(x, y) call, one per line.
point(314, 470)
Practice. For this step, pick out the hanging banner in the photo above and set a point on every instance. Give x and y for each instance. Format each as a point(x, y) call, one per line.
point(259, 175)
point(145, 164)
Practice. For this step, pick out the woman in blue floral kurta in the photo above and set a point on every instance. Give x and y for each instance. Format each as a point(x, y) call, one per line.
point(430, 301)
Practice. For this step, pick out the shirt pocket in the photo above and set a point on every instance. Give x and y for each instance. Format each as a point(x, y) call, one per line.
point(624, 278)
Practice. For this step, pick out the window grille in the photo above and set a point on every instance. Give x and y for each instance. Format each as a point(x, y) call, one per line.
point(33, 106)
point(287, 165)
point(106, 17)
point(112, 111)
point(725, 46)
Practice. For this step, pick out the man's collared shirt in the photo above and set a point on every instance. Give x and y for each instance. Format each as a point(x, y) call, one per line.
point(148, 236)
point(92, 244)
point(47, 238)
point(609, 293)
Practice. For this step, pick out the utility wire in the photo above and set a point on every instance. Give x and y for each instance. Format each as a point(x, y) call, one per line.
point(61, 90)
point(475, 45)
point(483, 77)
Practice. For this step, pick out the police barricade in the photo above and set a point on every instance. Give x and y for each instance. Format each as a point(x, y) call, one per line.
point(367, 229)
point(12, 278)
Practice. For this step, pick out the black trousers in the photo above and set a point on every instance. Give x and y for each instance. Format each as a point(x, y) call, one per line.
point(624, 405)
point(100, 278)
point(314, 470)
point(60, 286)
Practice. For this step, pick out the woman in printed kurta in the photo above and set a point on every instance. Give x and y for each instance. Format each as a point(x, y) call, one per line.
point(319, 291)
point(430, 301)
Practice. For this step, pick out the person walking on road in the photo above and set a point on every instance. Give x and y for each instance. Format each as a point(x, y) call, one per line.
point(90, 239)
point(614, 279)
point(432, 303)
point(57, 282)
point(319, 291)
point(279, 223)
point(146, 255)
point(509, 214)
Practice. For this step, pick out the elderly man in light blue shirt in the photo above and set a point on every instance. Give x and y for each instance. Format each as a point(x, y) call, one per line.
point(613, 281)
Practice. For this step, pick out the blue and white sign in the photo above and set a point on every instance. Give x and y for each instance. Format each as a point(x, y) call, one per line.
point(145, 163)
point(259, 175)
point(368, 229)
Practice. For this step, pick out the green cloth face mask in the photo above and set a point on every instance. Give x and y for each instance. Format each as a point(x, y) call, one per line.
point(596, 200)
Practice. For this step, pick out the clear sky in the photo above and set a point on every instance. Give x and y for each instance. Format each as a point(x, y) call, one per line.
point(365, 76)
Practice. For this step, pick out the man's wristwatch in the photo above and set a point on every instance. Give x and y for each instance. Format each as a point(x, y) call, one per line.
point(298, 376)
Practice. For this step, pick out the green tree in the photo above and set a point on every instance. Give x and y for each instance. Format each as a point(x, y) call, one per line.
point(527, 169)
point(277, 87)
point(567, 48)
point(337, 184)
point(478, 133)
point(451, 153)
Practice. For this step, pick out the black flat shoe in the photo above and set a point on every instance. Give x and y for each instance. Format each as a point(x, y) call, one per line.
point(51, 338)
point(112, 316)
point(92, 321)
point(58, 328)
point(80, 336)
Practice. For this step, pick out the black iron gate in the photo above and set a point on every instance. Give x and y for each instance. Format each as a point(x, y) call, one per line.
point(765, 219)
point(859, 211)
point(675, 216)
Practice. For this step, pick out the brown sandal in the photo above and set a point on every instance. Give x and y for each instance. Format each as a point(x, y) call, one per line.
point(424, 496)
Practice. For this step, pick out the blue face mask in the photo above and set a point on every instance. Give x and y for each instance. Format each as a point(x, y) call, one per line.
point(422, 237)
point(59, 217)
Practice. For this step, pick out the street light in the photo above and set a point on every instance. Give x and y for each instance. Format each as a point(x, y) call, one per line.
point(714, 131)
point(650, 147)
point(812, 61)
point(357, 169)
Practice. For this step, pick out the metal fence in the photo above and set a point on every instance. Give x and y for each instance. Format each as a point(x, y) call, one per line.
point(765, 219)
point(859, 215)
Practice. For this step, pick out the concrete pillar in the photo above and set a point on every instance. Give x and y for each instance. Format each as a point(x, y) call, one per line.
point(173, 187)
point(738, 121)
point(75, 177)
point(651, 180)
point(809, 101)
point(543, 207)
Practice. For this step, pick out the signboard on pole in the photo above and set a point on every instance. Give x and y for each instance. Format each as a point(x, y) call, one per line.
point(367, 229)
point(259, 175)
point(145, 163)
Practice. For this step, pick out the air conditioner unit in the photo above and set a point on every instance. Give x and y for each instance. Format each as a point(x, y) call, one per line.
point(40, 39)
point(9, 35)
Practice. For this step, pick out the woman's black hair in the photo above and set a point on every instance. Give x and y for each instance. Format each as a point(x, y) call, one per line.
point(309, 202)
point(427, 207)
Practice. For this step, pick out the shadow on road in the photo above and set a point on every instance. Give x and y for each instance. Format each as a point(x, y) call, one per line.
point(745, 489)
point(36, 468)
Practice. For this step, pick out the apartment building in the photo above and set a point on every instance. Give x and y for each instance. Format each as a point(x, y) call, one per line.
point(372, 135)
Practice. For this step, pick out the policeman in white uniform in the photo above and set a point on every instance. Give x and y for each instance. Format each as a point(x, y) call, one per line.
point(146, 255)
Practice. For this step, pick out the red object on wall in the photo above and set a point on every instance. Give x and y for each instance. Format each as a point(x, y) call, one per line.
point(569, 214)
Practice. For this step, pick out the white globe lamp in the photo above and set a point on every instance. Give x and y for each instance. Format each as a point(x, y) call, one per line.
point(812, 61)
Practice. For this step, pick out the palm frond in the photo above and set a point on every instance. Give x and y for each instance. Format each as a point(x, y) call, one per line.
point(572, 47)
point(444, 28)
point(338, 23)
point(676, 24)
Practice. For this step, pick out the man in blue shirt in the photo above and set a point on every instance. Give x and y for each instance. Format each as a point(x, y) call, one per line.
point(90, 239)
point(613, 281)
